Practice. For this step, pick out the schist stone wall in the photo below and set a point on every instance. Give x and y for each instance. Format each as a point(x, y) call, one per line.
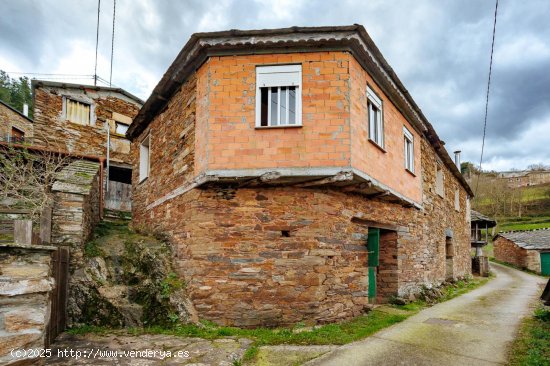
point(76, 206)
point(53, 130)
point(507, 251)
point(9, 119)
point(25, 285)
point(277, 256)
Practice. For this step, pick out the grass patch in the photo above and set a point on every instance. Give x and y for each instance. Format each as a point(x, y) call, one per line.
point(461, 287)
point(532, 347)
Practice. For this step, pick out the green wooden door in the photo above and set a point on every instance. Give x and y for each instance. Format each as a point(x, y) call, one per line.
point(373, 247)
point(545, 263)
point(372, 284)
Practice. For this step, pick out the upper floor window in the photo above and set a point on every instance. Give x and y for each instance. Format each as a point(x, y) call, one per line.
point(409, 150)
point(457, 200)
point(144, 158)
point(77, 112)
point(376, 120)
point(121, 128)
point(279, 96)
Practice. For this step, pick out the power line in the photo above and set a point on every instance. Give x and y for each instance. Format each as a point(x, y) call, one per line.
point(96, 41)
point(487, 97)
point(112, 42)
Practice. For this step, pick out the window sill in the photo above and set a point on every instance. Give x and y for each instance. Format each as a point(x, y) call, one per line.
point(410, 172)
point(377, 145)
point(274, 127)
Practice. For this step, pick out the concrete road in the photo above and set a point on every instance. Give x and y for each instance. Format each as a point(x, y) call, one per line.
point(474, 329)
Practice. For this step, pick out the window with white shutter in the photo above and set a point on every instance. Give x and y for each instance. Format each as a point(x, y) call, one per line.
point(279, 96)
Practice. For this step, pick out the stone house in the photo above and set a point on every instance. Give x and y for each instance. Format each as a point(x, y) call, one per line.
point(89, 121)
point(525, 249)
point(525, 178)
point(14, 125)
point(296, 177)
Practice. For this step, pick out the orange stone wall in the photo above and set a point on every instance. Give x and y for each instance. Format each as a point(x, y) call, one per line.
point(385, 165)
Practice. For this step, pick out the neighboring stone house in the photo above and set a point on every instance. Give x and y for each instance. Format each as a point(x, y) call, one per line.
point(525, 249)
point(15, 126)
point(525, 178)
point(296, 178)
point(80, 119)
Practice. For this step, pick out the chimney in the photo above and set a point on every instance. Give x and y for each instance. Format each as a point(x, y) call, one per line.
point(26, 109)
point(457, 159)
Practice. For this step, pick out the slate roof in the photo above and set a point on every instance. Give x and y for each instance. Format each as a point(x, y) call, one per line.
point(38, 83)
point(534, 239)
point(479, 217)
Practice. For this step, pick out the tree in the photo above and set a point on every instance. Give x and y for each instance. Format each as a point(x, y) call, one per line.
point(26, 178)
point(16, 92)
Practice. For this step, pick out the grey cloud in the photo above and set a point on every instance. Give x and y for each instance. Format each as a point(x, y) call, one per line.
point(440, 50)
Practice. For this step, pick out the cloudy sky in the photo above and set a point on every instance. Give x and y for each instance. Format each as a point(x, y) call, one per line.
point(439, 48)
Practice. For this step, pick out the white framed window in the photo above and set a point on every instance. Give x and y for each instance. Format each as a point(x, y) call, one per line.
point(439, 186)
point(376, 118)
point(144, 158)
point(408, 145)
point(78, 112)
point(457, 200)
point(279, 96)
point(121, 128)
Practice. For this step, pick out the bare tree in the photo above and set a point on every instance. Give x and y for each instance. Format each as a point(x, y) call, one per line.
point(26, 177)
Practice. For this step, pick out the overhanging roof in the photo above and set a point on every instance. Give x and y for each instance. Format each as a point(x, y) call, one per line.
point(37, 83)
point(538, 239)
point(353, 38)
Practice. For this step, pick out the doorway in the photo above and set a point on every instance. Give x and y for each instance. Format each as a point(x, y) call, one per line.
point(449, 258)
point(383, 265)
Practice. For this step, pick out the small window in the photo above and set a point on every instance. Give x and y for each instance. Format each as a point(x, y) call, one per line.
point(457, 200)
point(439, 188)
point(77, 112)
point(376, 120)
point(409, 150)
point(121, 128)
point(144, 158)
point(279, 96)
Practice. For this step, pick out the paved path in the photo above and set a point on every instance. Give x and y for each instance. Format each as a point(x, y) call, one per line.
point(473, 329)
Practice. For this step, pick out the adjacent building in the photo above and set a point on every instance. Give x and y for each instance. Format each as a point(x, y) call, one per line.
point(15, 127)
point(296, 177)
point(91, 121)
point(525, 249)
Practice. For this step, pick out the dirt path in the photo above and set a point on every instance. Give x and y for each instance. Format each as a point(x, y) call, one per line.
point(476, 328)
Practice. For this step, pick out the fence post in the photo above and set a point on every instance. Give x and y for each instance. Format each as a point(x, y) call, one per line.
point(22, 232)
point(46, 226)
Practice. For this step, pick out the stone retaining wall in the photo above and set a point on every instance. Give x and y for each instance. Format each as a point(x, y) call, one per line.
point(25, 285)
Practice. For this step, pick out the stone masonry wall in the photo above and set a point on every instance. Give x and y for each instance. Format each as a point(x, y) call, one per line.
point(76, 206)
point(507, 251)
point(25, 285)
point(9, 119)
point(54, 131)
